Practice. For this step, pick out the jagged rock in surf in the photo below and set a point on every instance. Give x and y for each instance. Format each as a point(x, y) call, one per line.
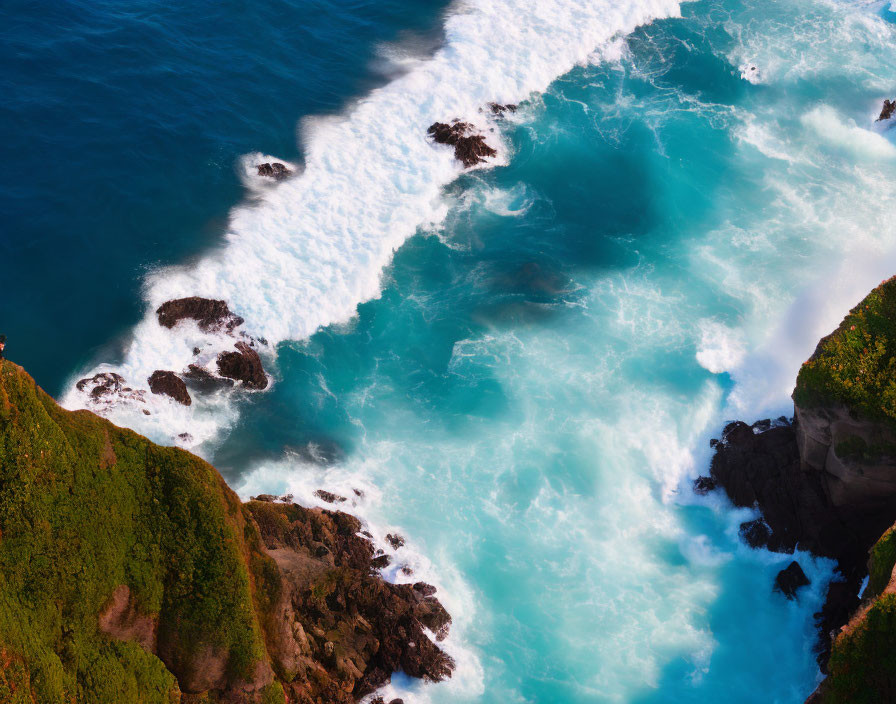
point(704, 485)
point(329, 497)
point(499, 109)
point(243, 365)
point(469, 149)
point(889, 109)
point(167, 383)
point(756, 534)
point(274, 170)
point(211, 315)
point(106, 385)
point(395, 540)
point(791, 579)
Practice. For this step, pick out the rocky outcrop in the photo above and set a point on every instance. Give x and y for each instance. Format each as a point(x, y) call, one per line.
point(243, 365)
point(168, 383)
point(789, 580)
point(888, 110)
point(274, 170)
point(498, 109)
point(130, 571)
point(336, 629)
point(211, 315)
point(469, 148)
point(827, 481)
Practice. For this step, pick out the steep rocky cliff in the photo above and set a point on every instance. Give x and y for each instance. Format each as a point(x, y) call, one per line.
point(826, 482)
point(130, 572)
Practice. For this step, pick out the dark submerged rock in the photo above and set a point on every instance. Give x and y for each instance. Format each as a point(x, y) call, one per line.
point(202, 380)
point(469, 149)
point(167, 383)
point(274, 170)
point(704, 485)
point(888, 110)
point(791, 579)
point(243, 365)
point(211, 315)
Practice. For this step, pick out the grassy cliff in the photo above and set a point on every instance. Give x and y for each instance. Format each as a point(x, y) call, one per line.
point(130, 572)
point(856, 364)
point(86, 507)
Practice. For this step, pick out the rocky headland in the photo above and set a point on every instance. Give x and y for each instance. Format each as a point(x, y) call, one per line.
point(130, 572)
point(825, 481)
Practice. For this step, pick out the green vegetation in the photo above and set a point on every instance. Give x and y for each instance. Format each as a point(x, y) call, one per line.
point(856, 364)
point(880, 566)
point(86, 506)
point(861, 665)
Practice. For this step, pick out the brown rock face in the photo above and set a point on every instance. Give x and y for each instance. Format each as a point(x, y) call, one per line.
point(122, 620)
point(469, 149)
point(169, 384)
point(211, 315)
point(335, 627)
point(243, 365)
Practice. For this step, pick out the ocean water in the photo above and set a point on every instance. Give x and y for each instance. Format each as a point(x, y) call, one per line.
point(519, 366)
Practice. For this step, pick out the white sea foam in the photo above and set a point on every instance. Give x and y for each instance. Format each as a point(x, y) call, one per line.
point(721, 348)
point(846, 134)
point(313, 247)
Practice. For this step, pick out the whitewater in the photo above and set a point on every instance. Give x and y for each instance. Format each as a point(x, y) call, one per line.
point(306, 253)
point(521, 367)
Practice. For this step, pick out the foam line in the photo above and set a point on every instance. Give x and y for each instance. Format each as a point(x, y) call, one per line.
point(305, 253)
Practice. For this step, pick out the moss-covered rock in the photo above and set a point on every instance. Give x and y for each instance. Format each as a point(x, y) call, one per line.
point(130, 572)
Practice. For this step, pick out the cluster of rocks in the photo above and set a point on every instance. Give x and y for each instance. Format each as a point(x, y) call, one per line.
point(106, 385)
point(242, 364)
point(498, 109)
point(274, 170)
point(469, 148)
point(810, 498)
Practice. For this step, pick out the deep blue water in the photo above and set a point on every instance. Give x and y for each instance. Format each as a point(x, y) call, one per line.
point(531, 392)
point(125, 120)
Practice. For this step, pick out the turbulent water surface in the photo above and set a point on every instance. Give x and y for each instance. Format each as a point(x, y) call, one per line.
point(519, 366)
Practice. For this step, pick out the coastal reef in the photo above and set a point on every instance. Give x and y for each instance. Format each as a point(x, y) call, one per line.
point(130, 572)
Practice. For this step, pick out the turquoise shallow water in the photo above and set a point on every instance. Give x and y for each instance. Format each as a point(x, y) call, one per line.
point(529, 396)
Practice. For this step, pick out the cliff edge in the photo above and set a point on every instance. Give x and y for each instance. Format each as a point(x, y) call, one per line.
point(131, 572)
